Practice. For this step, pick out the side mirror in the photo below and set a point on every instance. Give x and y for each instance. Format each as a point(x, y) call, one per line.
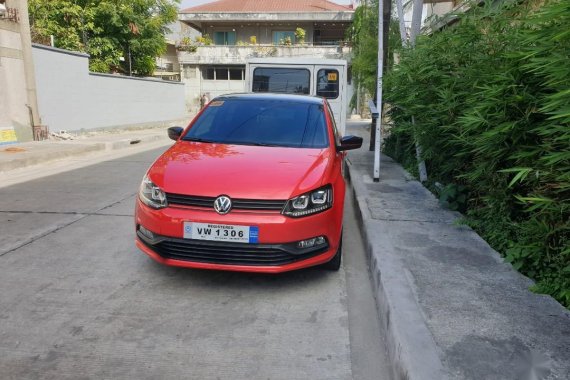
point(175, 132)
point(349, 143)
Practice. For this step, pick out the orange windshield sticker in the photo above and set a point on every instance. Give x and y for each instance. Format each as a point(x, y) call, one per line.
point(216, 103)
point(332, 77)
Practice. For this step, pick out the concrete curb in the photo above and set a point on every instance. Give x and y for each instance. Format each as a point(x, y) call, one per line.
point(77, 148)
point(31, 159)
point(411, 347)
point(128, 142)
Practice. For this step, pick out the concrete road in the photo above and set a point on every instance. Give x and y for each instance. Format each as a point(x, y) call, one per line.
point(79, 301)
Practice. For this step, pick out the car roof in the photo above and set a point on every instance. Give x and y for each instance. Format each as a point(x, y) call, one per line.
point(270, 96)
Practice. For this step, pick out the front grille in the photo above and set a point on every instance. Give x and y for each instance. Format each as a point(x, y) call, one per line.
point(237, 204)
point(227, 253)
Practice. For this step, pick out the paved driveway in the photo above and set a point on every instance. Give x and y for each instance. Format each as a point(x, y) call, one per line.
point(78, 300)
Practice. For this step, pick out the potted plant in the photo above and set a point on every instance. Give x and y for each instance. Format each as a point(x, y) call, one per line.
point(300, 35)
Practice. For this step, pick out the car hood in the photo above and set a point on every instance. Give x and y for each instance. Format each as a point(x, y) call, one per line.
point(239, 171)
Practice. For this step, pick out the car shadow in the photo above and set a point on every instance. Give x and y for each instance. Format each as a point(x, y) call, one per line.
point(227, 279)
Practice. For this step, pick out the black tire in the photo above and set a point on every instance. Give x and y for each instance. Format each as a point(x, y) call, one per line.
point(334, 264)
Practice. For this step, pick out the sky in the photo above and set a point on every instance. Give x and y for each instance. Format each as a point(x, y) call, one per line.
point(191, 3)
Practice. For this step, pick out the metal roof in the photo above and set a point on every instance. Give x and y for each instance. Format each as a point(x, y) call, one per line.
point(297, 61)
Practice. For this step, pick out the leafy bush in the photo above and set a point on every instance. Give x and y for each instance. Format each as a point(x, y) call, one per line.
point(491, 100)
point(106, 29)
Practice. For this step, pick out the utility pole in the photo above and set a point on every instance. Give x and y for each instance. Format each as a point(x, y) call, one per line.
point(378, 137)
point(29, 71)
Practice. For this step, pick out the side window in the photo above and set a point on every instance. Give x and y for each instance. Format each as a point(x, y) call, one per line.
point(337, 136)
point(281, 80)
point(328, 83)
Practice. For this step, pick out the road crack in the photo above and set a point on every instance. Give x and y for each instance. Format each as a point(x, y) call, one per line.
point(81, 216)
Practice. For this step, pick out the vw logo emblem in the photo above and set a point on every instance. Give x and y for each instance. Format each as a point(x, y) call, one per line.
point(222, 204)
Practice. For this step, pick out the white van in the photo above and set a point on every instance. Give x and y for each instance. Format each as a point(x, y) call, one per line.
point(308, 76)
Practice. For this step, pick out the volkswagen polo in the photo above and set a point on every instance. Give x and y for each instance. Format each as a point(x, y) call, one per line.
point(254, 183)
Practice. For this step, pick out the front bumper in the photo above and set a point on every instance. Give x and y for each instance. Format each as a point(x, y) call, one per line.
point(275, 252)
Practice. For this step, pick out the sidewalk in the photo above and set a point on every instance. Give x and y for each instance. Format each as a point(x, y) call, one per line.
point(23, 155)
point(449, 305)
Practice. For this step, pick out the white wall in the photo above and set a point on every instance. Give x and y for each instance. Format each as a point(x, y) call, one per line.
point(72, 98)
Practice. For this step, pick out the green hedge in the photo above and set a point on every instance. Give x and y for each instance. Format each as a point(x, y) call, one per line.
point(491, 100)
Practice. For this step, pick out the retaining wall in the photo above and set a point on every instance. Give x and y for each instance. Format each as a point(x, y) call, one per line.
point(72, 98)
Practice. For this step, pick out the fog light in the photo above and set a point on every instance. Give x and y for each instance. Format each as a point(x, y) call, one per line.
point(146, 232)
point(313, 242)
point(320, 240)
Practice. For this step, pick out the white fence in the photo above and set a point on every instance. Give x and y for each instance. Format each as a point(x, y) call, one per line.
point(72, 98)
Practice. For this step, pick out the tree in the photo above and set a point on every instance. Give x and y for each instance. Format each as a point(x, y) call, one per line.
point(363, 35)
point(107, 30)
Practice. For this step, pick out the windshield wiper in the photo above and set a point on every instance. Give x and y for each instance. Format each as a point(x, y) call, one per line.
point(197, 139)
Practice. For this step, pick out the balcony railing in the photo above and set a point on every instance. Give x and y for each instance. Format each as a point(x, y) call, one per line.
point(216, 54)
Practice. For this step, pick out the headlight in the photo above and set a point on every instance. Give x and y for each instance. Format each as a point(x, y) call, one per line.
point(152, 195)
point(309, 203)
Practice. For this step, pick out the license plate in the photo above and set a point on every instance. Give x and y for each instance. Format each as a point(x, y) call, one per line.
point(221, 232)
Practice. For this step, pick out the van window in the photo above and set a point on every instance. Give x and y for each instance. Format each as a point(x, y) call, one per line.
point(328, 83)
point(281, 80)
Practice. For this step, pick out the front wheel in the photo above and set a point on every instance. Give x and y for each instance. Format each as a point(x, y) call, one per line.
point(334, 264)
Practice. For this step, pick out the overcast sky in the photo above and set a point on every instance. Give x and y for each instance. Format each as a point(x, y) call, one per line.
point(191, 3)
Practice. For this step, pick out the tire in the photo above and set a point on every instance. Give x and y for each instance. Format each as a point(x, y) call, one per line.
point(334, 263)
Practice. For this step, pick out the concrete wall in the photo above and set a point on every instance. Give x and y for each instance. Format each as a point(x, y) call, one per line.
point(72, 98)
point(195, 85)
point(14, 115)
point(238, 55)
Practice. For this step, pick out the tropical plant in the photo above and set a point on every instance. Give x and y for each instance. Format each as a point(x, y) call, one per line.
point(106, 29)
point(205, 40)
point(286, 41)
point(300, 35)
point(491, 101)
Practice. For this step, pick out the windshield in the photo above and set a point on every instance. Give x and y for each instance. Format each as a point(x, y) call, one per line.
point(261, 122)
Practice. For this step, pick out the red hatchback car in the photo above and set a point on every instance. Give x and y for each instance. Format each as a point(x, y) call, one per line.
point(253, 184)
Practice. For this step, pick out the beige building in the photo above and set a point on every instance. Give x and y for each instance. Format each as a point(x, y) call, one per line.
point(235, 30)
point(16, 105)
point(167, 65)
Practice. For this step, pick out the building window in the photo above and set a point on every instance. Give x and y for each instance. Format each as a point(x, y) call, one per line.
point(236, 74)
point(282, 80)
point(327, 83)
point(225, 38)
point(280, 37)
point(222, 73)
point(208, 73)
